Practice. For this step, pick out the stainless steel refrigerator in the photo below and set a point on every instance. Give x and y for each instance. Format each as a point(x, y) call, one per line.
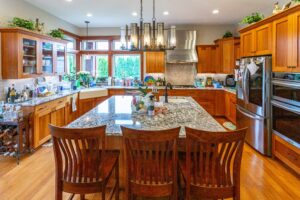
point(253, 101)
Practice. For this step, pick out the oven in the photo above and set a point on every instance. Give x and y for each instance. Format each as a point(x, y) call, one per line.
point(286, 107)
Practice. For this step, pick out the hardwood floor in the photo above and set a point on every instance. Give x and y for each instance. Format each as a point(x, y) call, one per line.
point(261, 178)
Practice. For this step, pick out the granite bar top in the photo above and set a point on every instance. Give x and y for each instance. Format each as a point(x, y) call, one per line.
point(116, 111)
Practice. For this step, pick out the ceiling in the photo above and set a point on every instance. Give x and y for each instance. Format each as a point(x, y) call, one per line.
point(116, 13)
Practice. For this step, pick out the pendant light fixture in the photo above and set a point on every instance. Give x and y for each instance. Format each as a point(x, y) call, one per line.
point(87, 56)
point(144, 37)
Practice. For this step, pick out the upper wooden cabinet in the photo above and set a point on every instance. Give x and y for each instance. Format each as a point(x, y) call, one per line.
point(208, 58)
point(229, 53)
point(278, 35)
point(257, 41)
point(155, 62)
point(28, 54)
point(286, 49)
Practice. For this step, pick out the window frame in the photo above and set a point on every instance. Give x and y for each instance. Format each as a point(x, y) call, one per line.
point(120, 54)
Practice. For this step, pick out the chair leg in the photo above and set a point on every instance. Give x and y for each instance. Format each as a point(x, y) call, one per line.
point(103, 191)
point(58, 191)
point(82, 197)
point(117, 181)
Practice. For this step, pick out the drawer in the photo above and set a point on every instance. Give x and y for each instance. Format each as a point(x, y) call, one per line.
point(286, 152)
point(59, 103)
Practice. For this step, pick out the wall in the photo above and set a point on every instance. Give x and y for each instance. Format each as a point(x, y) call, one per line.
point(206, 33)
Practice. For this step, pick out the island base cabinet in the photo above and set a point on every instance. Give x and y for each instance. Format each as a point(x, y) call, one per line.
point(230, 101)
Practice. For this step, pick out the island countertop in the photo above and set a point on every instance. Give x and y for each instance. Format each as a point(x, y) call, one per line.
point(116, 111)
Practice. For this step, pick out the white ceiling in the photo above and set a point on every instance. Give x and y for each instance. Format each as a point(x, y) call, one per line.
point(114, 13)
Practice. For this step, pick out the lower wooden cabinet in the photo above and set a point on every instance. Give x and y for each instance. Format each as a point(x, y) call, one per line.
point(230, 111)
point(286, 152)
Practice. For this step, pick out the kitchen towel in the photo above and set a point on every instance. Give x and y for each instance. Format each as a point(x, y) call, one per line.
point(252, 67)
point(74, 107)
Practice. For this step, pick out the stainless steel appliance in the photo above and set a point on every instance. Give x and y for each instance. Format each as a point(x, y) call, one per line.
point(253, 102)
point(286, 107)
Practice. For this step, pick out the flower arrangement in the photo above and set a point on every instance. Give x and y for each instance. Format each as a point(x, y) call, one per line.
point(85, 78)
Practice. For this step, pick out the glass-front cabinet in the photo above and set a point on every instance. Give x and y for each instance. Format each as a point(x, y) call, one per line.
point(47, 58)
point(60, 59)
point(29, 56)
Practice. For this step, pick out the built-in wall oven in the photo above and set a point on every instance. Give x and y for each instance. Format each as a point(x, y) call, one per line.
point(286, 107)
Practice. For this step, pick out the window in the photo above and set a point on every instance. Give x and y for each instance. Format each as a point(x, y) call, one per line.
point(127, 66)
point(97, 65)
point(94, 45)
point(71, 63)
point(117, 44)
point(71, 45)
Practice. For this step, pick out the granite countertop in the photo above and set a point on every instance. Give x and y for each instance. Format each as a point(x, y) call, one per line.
point(116, 111)
point(41, 100)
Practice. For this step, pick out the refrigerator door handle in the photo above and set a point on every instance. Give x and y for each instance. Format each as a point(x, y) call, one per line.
point(245, 85)
point(248, 114)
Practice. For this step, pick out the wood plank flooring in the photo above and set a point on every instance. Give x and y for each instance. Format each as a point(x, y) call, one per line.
point(262, 178)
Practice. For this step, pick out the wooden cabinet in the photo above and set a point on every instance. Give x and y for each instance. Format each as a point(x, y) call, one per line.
point(220, 103)
point(257, 41)
point(286, 152)
point(286, 38)
point(28, 54)
point(229, 53)
point(230, 108)
point(155, 62)
point(208, 58)
point(86, 105)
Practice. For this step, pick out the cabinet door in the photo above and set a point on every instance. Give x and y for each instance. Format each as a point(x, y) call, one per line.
point(297, 38)
point(60, 59)
point(47, 57)
point(204, 59)
point(247, 44)
point(282, 44)
point(85, 105)
point(58, 117)
point(263, 40)
point(228, 62)
point(41, 130)
point(30, 52)
point(155, 62)
point(220, 103)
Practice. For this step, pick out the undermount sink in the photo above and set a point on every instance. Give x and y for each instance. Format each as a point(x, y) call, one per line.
point(93, 93)
point(178, 100)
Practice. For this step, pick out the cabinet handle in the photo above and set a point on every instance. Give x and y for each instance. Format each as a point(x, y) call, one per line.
point(292, 67)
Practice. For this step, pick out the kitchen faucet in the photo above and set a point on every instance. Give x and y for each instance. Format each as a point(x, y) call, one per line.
point(168, 85)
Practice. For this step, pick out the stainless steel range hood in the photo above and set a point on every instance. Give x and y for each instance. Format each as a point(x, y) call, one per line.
point(185, 51)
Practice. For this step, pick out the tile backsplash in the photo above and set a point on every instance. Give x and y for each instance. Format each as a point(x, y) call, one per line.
point(21, 83)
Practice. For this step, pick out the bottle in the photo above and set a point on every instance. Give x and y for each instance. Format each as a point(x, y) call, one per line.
point(12, 94)
point(151, 111)
point(8, 95)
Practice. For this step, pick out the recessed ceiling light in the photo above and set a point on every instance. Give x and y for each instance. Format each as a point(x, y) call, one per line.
point(216, 11)
point(134, 13)
point(166, 13)
point(89, 15)
point(69, 0)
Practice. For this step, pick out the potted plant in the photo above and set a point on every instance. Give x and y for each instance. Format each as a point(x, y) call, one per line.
point(23, 23)
point(84, 78)
point(227, 34)
point(56, 33)
point(253, 18)
point(296, 2)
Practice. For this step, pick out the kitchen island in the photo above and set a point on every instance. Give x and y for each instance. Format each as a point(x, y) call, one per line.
point(116, 111)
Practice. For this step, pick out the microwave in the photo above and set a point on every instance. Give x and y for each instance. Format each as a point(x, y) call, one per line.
point(286, 107)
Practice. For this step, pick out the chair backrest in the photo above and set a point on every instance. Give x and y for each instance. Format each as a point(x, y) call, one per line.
point(151, 156)
point(78, 153)
point(214, 158)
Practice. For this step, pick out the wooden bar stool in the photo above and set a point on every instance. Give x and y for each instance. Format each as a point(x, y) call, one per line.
point(212, 165)
point(83, 165)
point(151, 168)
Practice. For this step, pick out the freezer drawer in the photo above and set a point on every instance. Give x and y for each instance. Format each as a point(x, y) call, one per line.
point(258, 134)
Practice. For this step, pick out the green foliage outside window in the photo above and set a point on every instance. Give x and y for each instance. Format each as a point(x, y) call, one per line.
point(102, 66)
point(127, 66)
point(71, 63)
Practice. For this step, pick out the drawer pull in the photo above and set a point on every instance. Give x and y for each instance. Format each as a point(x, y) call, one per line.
point(292, 67)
